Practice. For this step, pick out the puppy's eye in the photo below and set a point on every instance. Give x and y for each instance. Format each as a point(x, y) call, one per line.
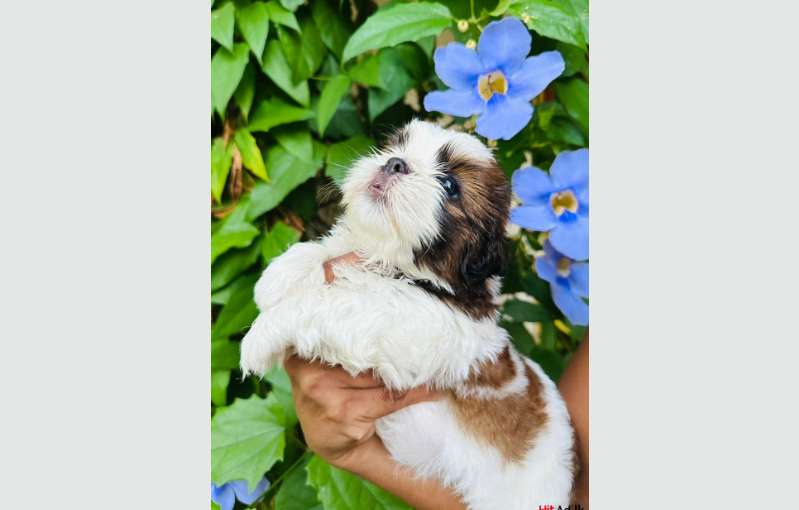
point(450, 185)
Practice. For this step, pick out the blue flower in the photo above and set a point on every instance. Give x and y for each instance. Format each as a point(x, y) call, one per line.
point(497, 81)
point(556, 202)
point(225, 495)
point(568, 281)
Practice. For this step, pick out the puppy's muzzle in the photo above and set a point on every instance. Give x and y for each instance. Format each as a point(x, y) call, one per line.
point(393, 169)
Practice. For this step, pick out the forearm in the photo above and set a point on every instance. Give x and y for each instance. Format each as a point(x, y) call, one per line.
point(376, 465)
point(573, 386)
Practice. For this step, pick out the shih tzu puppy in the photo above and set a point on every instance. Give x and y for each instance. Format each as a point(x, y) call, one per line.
point(426, 216)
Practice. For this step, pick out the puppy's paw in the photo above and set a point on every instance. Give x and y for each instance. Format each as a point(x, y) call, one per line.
point(261, 348)
point(300, 267)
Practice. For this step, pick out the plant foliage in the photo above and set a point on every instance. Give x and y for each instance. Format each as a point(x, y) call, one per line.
point(300, 89)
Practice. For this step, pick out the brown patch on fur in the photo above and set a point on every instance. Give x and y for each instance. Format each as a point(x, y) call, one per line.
point(472, 246)
point(494, 375)
point(510, 424)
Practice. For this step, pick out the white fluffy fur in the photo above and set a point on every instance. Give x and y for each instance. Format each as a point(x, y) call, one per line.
point(367, 320)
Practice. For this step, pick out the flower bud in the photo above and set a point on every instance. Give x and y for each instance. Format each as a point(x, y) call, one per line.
point(463, 25)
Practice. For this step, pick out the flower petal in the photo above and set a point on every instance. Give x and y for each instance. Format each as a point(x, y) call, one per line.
point(532, 185)
point(578, 278)
point(458, 66)
point(503, 118)
point(503, 45)
point(244, 495)
point(460, 103)
point(571, 238)
point(223, 496)
point(570, 170)
point(545, 268)
point(539, 218)
point(571, 305)
point(535, 74)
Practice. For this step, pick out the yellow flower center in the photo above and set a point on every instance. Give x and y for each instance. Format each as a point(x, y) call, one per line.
point(564, 201)
point(564, 267)
point(492, 83)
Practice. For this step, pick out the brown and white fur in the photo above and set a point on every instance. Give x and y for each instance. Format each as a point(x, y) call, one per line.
point(421, 308)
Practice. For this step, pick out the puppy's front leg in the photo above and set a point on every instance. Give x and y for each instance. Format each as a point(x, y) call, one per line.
point(300, 268)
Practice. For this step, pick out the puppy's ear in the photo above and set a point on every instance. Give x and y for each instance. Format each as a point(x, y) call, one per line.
point(485, 259)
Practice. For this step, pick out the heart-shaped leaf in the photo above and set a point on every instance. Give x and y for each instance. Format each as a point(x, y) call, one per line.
point(247, 438)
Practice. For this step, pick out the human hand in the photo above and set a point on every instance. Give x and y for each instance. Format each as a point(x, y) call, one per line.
point(337, 411)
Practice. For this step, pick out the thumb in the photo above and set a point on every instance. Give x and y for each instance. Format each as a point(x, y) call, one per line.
point(387, 402)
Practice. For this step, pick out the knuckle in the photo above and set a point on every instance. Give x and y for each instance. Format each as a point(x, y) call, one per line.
point(309, 384)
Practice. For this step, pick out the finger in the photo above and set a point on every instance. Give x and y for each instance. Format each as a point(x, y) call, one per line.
point(385, 402)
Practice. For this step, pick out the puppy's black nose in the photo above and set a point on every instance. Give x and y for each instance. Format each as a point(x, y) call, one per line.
point(395, 166)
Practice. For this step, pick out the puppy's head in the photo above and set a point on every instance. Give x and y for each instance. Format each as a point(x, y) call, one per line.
point(432, 200)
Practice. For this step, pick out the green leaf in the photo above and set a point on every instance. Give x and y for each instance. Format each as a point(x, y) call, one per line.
point(398, 23)
point(221, 159)
point(219, 383)
point(232, 232)
point(286, 173)
point(573, 94)
point(346, 122)
point(367, 72)
point(222, 20)
point(224, 355)
point(281, 391)
point(274, 112)
point(227, 68)
point(562, 20)
point(519, 336)
point(296, 139)
point(221, 297)
point(304, 51)
point(246, 91)
point(576, 59)
point(291, 5)
point(231, 264)
point(522, 311)
point(332, 26)
point(237, 315)
point(250, 153)
point(552, 363)
point(281, 16)
point(253, 22)
point(397, 79)
point(339, 490)
point(565, 130)
point(295, 493)
point(341, 156)
point(247, 438)
point(331, 95)
point(277, 240)
point(277, 68)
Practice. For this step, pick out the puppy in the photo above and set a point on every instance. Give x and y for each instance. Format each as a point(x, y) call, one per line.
point(426, 216)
